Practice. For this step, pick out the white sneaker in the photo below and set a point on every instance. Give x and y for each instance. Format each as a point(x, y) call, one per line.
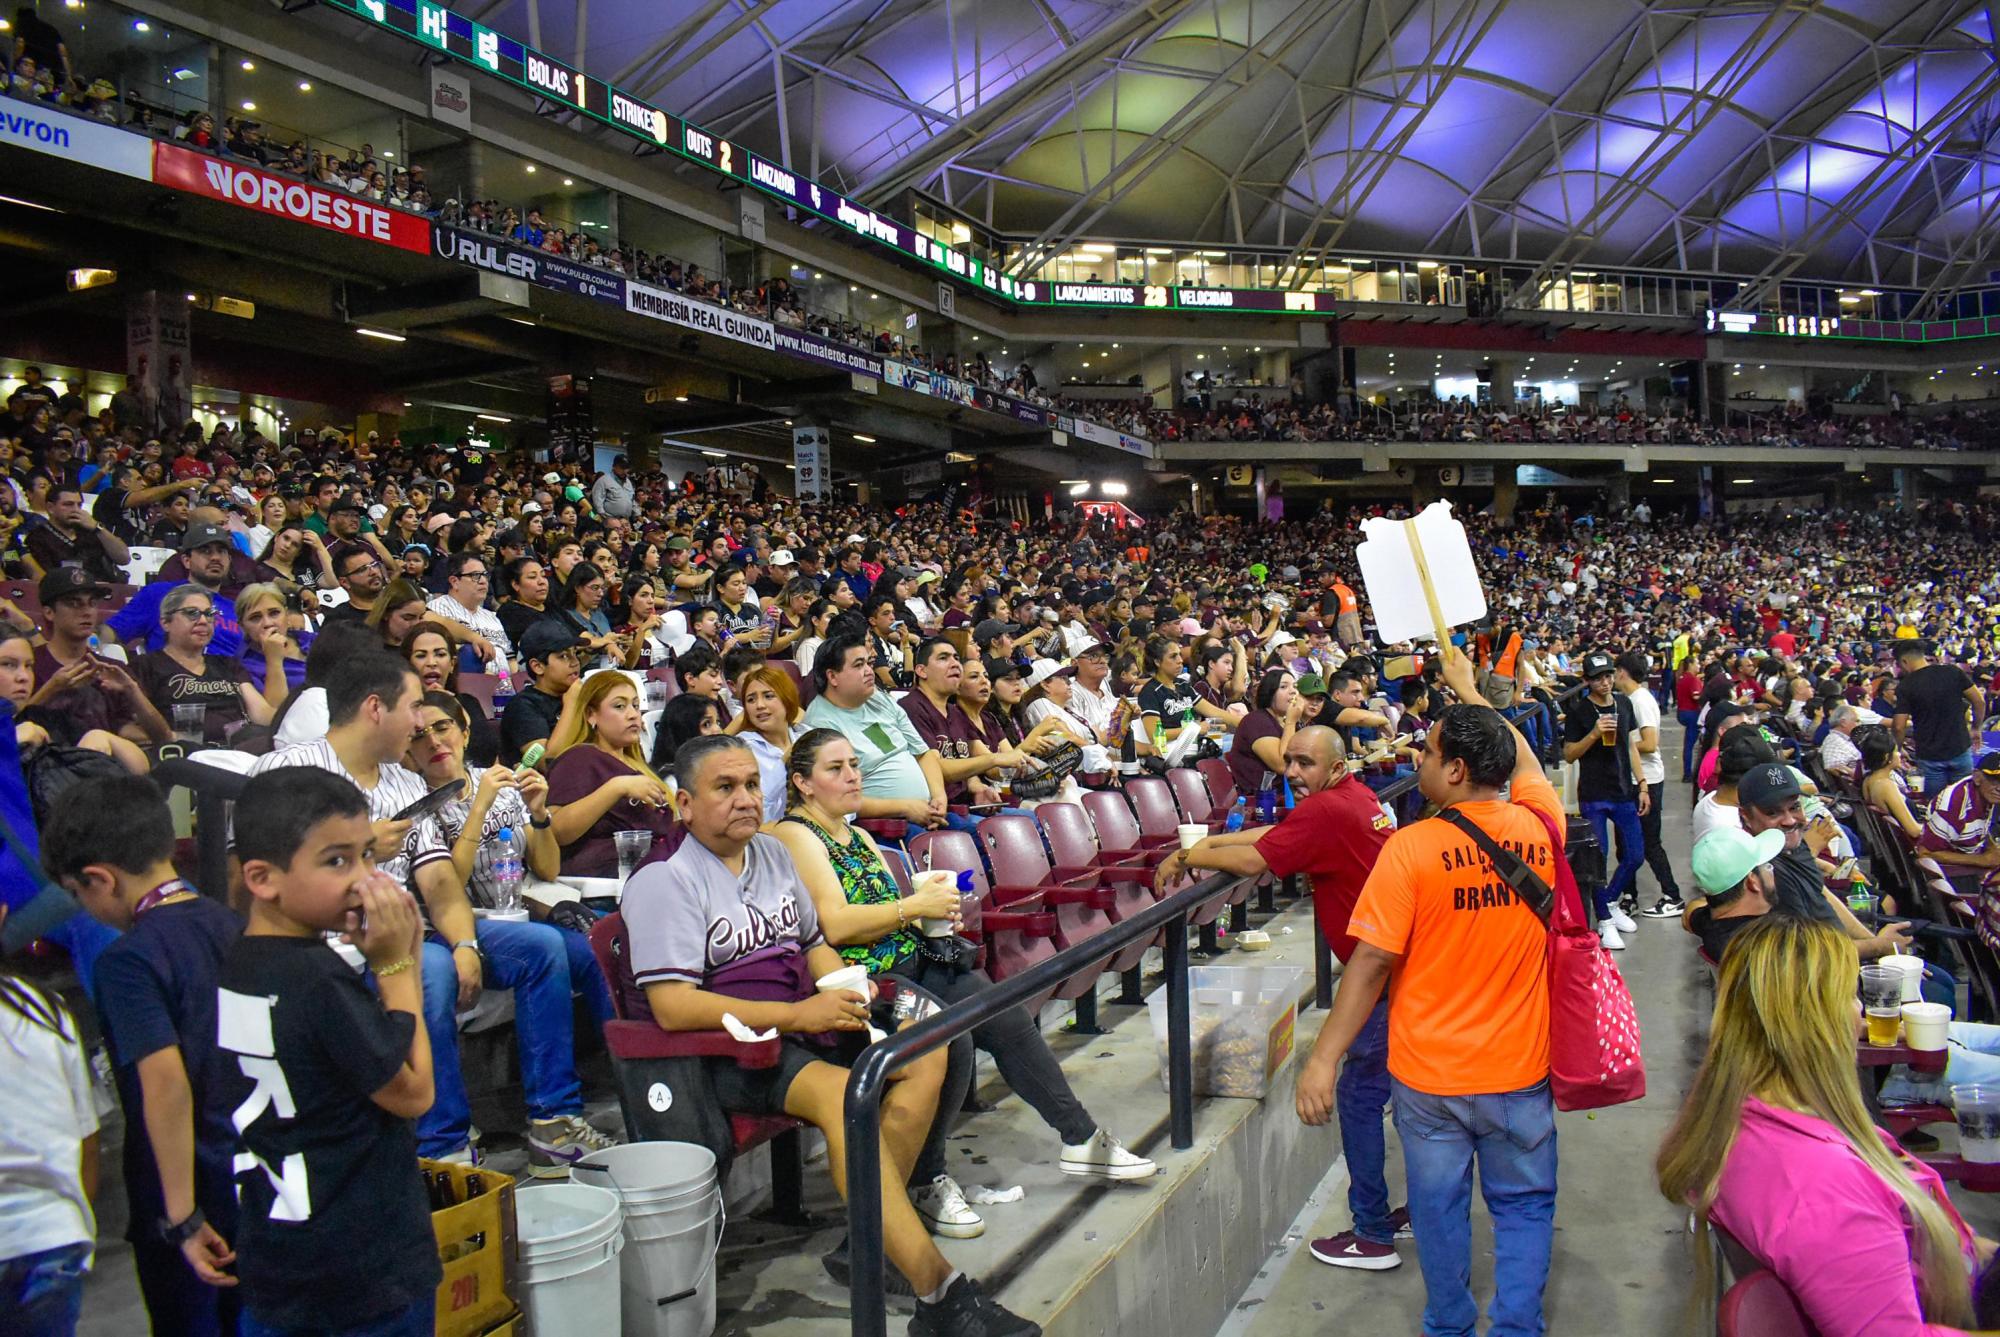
point(1623, 922)
point(1608, 935)
point(1104, 1157)
point(943, 1206)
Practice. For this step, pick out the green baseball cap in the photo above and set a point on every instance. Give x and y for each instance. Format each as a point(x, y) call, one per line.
point(1722, 859)
point(1311, 684)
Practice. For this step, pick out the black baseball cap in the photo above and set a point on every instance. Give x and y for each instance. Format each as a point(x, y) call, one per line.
point(1597, 662)
point(991, 630)
point(547, 637)
point(997, 668)
point(200, 536)
point(67, 580)
point(1767, 786)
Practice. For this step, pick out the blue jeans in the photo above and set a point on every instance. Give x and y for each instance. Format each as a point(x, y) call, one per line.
point(535, 962)
point(419, 1320)
point(1512, 1135)
point(1972, 1058)
point(1359, 1098)
point(41, 1294)
point(1623, 814)
point(1938, 774)
point(1688, 719)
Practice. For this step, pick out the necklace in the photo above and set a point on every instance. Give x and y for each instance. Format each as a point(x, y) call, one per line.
point(171, 892)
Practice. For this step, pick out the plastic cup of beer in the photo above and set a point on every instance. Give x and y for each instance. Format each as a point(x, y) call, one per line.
point(1881, 986)
point(1883, 1024)
point(1977, 1109)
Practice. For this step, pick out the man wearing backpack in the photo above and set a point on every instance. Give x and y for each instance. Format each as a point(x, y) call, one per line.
point(1468, 1019)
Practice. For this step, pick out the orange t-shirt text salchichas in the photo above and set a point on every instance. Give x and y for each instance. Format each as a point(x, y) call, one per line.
point(1469, 997)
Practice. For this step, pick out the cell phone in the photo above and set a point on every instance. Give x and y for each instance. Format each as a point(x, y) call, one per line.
point(431, 802)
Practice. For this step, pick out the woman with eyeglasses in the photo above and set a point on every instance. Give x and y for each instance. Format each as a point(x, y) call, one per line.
point(581, 605)
point(183, 673)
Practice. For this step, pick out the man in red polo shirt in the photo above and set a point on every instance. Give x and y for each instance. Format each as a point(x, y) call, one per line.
point(1332, 836)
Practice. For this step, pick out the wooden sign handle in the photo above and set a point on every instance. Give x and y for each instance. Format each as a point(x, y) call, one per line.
point(1438, 628)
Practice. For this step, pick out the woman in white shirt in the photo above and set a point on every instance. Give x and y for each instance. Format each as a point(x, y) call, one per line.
point(769, 723)
point(807, 649)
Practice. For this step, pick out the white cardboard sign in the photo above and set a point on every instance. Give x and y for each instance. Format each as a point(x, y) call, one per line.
point(1396, 591)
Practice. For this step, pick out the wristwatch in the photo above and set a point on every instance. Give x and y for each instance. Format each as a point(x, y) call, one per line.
point(543, 824)
point(467, 942)
point(177, 1235)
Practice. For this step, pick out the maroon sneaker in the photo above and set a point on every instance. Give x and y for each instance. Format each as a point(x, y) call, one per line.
point(1399, 1221)
point(1348, 1249)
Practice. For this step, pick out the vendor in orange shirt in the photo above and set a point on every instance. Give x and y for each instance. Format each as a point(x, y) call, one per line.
point(1468, 1015)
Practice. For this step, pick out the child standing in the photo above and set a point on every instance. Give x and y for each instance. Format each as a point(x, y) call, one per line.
point(335, 1234)
point(111, 843)
point(48, 1163)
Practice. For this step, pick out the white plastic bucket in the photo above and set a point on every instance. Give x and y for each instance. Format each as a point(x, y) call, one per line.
point(569, 1236)
point(673, 1227)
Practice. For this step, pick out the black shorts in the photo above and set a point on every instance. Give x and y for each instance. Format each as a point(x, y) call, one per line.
point(741, 1090)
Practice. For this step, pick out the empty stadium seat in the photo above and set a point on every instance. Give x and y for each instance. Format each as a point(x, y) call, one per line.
point(1073, 839)
point(1021, 875)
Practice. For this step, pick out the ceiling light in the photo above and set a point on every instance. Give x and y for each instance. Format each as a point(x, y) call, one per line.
point(717, 454)
point(852, 288)
point(531, 169)
point(568, 182)
point(193, 297)
point(249, 65)
point(1112, 489)
point(869, 439)
point(1078, 489)
point(140, 25)
point(305, 87)
point(249, 106)
point(367, 333)
point(406, 403)
point(680, 399)
point(388, 153)
point(1663, 480)
point(1742, 480)
point(491, 417)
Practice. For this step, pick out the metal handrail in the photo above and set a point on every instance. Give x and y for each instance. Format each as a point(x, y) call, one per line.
point(870, 1075)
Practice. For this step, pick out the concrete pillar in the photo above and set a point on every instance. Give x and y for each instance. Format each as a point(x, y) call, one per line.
point(1908, 491)
point(1618, 493)
point(1503, 384)
point(1424, 489)
point(1506, 493)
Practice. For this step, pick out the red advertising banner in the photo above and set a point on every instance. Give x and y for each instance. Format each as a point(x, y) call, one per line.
point(285, 197)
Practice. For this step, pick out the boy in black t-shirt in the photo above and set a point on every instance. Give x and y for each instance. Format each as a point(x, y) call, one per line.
point(111, 842)
point(335, 1231)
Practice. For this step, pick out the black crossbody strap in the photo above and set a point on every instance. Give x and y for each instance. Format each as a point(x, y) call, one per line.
point(1513, 870)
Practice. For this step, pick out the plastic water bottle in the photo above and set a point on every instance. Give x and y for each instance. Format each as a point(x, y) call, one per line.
point(508, 868)
point(1234, 822)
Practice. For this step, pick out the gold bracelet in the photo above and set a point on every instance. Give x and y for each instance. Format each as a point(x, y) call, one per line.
point(395, 967)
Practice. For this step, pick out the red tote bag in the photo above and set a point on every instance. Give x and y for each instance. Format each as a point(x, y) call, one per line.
point(1594, 1055)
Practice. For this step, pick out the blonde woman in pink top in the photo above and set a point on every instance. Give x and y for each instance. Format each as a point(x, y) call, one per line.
point(1774, 1146)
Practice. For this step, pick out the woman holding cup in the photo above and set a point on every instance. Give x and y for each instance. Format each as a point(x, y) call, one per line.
point(600, 783)
point(912, 938)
